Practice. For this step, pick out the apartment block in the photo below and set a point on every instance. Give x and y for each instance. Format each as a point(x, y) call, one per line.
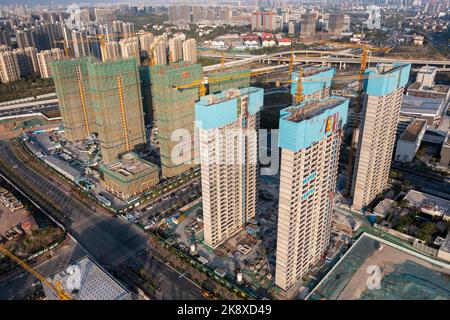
point(176, 49)
point(116, 100)
point(316, 83)
point(376, 138)
point(310, 137)
point(72, 88)
point(9, 69)
point(228, 125)
point(174, 109)
point(190, 50)
point(308, 24)
point(45, 58)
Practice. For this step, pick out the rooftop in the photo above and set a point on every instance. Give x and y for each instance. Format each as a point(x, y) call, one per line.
point(310, 109)
point(435, 88)
point(428, 203)
point(413, 130)
point(225, 95)
point(130, 165)
point(96, 284)
point(405, 274)
point(308, 72)
point(422, 105)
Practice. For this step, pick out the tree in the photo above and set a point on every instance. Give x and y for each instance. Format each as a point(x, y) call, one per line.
point(426, 231)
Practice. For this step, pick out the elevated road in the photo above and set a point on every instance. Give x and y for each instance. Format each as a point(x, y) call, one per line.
point(317, 56)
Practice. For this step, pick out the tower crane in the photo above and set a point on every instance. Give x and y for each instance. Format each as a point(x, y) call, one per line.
point(55, 287)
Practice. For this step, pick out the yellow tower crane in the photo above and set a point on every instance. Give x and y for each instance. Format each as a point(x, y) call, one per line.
point(55, 287)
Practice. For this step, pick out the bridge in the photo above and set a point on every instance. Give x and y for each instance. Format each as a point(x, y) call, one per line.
point(341, 58)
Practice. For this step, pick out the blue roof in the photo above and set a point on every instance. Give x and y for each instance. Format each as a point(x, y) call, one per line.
point(381, 84)
point(316, 82)
point(218, 110)
point(318, 123)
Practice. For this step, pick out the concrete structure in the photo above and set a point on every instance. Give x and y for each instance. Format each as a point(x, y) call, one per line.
point(429, 204)
point(72, 88)
point(63, 168)
point(308, 24)
point(385, 207)
point(426, 75)
point(228, 125)
point(376, 137)
point(445, 151)
point(336, 23)
point(130, 176)
point(44, 61)
point(174, 109)
point(429, 109)
point(316, 83)
point(418, 89)
point(190, 50)
point(310, 138)
point(87, 281)
point(116, 100)
point(410, 140)
point(9, 69)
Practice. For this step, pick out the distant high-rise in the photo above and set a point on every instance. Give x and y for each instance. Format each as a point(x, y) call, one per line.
point(116, 100)
point(5, 38)
point(9, 69)
point(308, 24)
point(129, 47)
point(79, 44)
point(190, 50)
point(111, 51)
point(145, 42)
point(228, 125)
point(173, 109)
point(26, 60)
point(176, 49)
point(310, 136)
point(336, 23)
point(161, 53)
point(45, 58)
point(381, 109)
point(263, 21)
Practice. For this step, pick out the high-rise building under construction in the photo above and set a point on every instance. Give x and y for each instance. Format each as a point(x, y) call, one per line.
point(72, 87)
point(375, 145)
point(316, 83)
point(117, 104)
point(310, 137)
point(173, 109)
point(102, 98)
point(228, 125)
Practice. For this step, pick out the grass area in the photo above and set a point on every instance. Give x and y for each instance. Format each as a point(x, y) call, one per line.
point(141, 20)
point(25, 88)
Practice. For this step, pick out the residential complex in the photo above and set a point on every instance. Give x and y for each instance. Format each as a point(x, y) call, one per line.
point(102, 98)
point(310, 138)
point(383, 98)
point(228, 124)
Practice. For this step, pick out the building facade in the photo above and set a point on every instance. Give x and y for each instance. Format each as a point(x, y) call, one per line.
point(228, 125)
point(174, 111)
point(316, 83)
point(190, 50)
point(383, 99)
point(310, 137)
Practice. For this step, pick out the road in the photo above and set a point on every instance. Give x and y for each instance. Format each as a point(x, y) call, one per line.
point(172, 284)
point(107, 239)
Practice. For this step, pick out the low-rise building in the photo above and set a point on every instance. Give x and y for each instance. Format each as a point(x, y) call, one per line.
point(86, 280)
point(429, 204)
point(130, 176)
point(410, 141)
point(418, 107)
